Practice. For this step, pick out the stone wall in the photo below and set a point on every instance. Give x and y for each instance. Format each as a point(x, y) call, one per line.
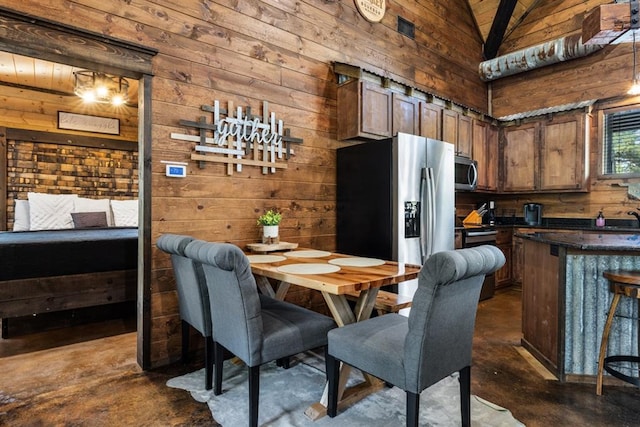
point(69, 169)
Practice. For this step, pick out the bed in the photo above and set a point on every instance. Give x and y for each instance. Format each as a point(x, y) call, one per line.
point(52, 270)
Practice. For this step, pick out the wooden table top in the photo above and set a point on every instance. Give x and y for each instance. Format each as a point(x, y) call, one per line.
point(347, 279)
point(630, 277)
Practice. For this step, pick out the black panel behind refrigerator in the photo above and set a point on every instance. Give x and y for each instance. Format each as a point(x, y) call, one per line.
point(364, 196)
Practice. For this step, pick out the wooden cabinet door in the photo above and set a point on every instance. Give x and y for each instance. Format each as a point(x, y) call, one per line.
point(458, 239)
point(376, 110)
point(517, 261)
point(456, 129)
point(450, 127)
point(562, 154)
point(464, 136)
point(484, 139)
point(430, 120)
point(504, 243)
point(492, 158)
point(406, 117)
point(518, 153)
point(503, 275)
point(540, 302)
point(364, 111)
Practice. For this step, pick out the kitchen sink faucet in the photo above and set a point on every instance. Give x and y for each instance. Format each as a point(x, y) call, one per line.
point(636, 214)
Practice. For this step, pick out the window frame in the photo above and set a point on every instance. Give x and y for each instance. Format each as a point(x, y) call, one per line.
point(601, 139)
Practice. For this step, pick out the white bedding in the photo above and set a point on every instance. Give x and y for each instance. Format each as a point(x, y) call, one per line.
point(53, 211)
point(50, 211)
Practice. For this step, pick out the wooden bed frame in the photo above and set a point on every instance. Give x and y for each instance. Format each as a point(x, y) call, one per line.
point(47, 271)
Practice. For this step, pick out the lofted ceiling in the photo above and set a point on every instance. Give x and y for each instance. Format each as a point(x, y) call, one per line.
point(507, 15)
point(44, 76)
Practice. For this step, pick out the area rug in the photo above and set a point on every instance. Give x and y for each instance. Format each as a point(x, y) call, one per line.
point(286, 393)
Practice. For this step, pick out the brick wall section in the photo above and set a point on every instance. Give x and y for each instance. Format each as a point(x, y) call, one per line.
point(96, 173)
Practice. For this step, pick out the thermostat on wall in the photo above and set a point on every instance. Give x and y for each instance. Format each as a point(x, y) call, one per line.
point(176, 171)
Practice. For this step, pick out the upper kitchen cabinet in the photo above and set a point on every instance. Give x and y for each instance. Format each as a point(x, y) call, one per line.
point(563, 161)
point(406, 114)
point(518, 148)
point(546, 155)
point(430, 120)
point(456, 129)
point(484, 138)
point(364, 110)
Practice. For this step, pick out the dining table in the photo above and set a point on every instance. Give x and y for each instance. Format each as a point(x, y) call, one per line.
point(335, 276)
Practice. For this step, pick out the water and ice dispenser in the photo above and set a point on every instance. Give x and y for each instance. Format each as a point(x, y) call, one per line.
point(411, 219)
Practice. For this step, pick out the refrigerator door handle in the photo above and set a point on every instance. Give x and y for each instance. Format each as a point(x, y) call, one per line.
point(430, 213)
point(423, 225)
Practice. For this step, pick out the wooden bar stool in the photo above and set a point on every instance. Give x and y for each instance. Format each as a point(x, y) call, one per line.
point(627, 284)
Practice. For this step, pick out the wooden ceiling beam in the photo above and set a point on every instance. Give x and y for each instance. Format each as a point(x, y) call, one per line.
point(606, 23)
point(498, 28)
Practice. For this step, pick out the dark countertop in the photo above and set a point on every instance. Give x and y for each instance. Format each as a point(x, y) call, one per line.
point(588, 241)
point(587, 224)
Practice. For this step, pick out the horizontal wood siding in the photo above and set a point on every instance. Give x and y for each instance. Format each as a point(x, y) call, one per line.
point(607, 73)
point(606, 195)
point(281, 52)
point(28, 109)
point(24, 297)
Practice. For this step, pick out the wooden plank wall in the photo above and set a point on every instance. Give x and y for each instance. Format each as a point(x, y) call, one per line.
point(607, 195)
point(604, 74)
point(281, 52)
point(27, 109)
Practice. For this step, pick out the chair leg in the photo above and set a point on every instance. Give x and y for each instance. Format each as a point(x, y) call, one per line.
point(604, 341)
point(209, 361)
point(254, 393)
point(284, 362)
point(185, 341)
point(413, 409)
point(333, 376)
point(218, 360)
point(465, 395)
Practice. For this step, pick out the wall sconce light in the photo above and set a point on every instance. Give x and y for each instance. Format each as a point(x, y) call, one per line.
point(92, 86)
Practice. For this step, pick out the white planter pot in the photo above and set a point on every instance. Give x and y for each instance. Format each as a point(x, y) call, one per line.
point(270, 234)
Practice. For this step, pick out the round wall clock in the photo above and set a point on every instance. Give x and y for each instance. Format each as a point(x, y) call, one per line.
point(371, 10)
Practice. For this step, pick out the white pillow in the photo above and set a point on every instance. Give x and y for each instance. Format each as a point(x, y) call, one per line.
point(50, 211)
point(82, 204)
point(125, 213)
point(21, 215)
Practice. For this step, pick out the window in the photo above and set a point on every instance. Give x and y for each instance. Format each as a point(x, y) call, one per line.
point(621, 142)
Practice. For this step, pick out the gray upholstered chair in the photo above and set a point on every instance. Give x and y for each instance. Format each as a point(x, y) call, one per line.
point(193, 298)
point(433, 342)
point(255, 328)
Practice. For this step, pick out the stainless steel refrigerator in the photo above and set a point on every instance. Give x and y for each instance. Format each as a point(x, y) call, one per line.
point(396, 200)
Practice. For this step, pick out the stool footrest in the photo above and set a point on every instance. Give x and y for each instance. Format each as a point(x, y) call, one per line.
point(627, 378)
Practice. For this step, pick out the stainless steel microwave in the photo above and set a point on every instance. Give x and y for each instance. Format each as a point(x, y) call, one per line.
point(466, 173)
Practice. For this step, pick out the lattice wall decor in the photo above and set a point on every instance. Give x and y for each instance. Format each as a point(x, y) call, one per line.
point(238, 137)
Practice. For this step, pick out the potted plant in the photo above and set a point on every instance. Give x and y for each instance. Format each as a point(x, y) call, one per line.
point(270, 221)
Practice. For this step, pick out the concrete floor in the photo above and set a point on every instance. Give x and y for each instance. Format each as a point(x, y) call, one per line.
point(86, 375)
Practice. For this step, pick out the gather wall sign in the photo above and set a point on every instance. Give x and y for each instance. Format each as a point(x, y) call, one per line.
point(372, 10)
point(237, 137)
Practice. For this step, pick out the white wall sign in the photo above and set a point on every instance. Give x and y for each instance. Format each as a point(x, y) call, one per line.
point(86, 123)
point(240, 138)
point(372, 10)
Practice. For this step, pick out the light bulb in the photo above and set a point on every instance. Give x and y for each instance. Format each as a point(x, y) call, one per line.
point(89, 96)
point(102, 91)
point(117, 100)
point(635, 88)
